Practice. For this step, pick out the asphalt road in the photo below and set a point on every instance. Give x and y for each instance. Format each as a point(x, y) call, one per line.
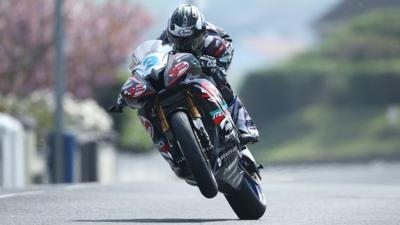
point(329, 194)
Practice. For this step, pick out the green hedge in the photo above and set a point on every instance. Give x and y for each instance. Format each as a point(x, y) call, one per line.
point(358, 65)
point(331, 102)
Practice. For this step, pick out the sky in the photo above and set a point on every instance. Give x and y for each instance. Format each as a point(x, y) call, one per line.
point(264, 32)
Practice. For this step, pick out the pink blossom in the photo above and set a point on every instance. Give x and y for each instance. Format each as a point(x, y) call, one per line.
point(98, 39)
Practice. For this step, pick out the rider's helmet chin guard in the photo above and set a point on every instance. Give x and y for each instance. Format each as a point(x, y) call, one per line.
point(186, 28)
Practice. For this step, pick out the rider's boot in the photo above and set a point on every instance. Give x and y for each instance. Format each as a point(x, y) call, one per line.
point(249, 134)
point(243, 121)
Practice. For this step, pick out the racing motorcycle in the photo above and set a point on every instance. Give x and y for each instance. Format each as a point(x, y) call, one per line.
point(188, 119)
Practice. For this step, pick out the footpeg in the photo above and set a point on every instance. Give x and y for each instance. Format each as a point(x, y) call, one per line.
point(248, 139)
point(250, 163)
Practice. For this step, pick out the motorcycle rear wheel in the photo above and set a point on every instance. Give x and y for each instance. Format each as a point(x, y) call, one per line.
point(248, 201)
point(193, 154)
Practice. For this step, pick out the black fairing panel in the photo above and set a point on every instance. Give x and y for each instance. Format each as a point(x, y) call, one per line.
point(225, 160)
point(135, 89)
point(179, 66)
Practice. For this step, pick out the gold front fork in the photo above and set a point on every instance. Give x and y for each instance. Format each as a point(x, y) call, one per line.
point(192, 107)
point(161, 115)
point(163, 119)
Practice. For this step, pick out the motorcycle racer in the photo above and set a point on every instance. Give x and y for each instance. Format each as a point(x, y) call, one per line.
point(188, 30)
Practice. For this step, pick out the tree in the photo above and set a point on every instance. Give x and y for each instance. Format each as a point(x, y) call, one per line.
point(98, 39)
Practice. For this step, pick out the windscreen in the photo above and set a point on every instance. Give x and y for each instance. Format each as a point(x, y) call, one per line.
point(149, 55)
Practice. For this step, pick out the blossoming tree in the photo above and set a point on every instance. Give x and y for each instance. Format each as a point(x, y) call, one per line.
point(98, 38)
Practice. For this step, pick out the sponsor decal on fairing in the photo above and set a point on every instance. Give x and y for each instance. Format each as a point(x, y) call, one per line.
point(136, 91)
point(225, 155)
point(134, 88)
point(210, 92)
point(164, 148)
point(148, 126)
point(178, 69)
point(219, 114)
point(151, 61)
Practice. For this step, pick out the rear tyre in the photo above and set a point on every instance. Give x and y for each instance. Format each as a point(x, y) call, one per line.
point(248, 201)
point(192, 151)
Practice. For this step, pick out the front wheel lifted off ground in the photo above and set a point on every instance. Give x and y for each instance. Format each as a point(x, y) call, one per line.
point(192, 151)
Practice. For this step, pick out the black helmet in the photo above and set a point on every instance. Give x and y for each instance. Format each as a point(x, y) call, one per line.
point(186, 28)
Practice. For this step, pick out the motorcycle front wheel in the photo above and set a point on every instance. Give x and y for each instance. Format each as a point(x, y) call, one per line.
point(193, 154)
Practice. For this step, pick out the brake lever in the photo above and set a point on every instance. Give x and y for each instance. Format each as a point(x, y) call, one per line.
point(115, 109)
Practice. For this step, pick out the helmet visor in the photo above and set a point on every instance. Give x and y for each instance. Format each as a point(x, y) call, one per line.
point(188, 44)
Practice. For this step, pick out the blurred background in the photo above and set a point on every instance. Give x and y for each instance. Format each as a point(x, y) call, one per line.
point(320, 78)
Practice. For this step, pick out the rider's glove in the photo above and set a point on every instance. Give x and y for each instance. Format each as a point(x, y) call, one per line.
point(208, 64)
point(207, 61)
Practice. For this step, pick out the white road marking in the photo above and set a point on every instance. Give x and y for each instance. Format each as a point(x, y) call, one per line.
point(76, 186)
point(21, 194)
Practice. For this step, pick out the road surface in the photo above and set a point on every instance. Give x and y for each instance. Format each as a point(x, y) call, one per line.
point(329, 194)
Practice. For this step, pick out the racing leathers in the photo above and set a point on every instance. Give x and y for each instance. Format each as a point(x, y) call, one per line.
point(215, 56)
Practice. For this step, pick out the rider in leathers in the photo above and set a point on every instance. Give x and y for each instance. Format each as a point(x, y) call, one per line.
point(189, 32)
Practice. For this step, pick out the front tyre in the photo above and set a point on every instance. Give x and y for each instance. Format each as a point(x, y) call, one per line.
point(192, 151)
point(248, 200)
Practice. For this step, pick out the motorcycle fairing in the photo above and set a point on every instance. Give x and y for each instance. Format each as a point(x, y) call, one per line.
point(225, 158)
point(181, 74)
point(179, 65)
point(136, 88)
